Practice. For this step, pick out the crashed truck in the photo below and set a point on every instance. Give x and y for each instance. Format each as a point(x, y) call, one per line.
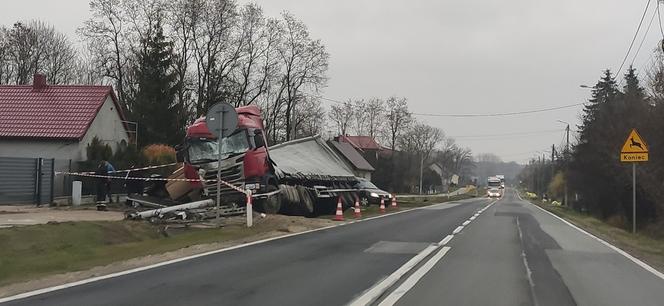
point(299, 177)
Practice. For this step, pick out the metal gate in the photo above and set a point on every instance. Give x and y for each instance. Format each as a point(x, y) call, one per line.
point(26, 180)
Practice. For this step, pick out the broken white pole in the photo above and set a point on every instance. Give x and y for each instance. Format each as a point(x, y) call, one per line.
point(161, 211)
point(250, 210)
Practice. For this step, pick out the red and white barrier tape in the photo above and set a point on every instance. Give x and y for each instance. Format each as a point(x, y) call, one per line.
point(154, 179)
point(127, 170)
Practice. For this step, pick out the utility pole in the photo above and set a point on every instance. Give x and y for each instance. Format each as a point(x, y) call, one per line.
point(553, 155)
point(565, 160)
point(421, 165)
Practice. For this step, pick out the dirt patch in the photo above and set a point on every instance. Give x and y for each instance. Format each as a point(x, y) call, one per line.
point(30, 215)
point(269, 227)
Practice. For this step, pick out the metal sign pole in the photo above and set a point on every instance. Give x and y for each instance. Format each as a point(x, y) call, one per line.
point(221, 127)
point(633, 198)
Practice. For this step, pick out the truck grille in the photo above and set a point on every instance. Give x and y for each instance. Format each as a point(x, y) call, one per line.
point(232, 175)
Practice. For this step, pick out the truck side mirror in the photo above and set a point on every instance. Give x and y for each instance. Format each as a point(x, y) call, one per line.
point(258, 139)
point(180, 152)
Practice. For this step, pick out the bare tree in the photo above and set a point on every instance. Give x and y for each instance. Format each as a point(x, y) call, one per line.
point(36, 47)
point(215, 48)
point(398, 119)
point(106, 28)
point(179, 21)
point(421, 139)
point(342, 116)
point(60, 58)
point(305, 63)
point(6, 69)
point(257, 60)
point(22, 43)
point(88, 70)
point(309, 117)
point(375, 111)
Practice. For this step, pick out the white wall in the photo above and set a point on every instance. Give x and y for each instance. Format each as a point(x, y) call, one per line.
point(107, 126)
point(45, 149)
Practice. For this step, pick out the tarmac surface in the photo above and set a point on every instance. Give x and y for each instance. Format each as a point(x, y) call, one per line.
point(512, 253)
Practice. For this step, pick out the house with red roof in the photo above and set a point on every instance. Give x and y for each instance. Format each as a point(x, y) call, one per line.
point(58, 121)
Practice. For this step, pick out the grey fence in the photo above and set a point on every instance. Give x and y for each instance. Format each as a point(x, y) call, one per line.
point(26, 180)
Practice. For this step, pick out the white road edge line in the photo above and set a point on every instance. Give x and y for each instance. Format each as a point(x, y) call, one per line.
point(172, 261)
point(621, 252)
point(445, 240)
point(410, 282)
point(374, 292)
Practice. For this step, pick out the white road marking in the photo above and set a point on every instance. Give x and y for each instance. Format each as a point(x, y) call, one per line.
point(410, 282)
point(374, 292)
point(139, 269)
point(529, 272)
point(466, 222)
point(446, 240)
point(472, 218)
point(458, 229)
point(618, 250)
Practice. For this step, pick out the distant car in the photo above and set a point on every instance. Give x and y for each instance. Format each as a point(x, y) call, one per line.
point(493, 193)
point(370, 194)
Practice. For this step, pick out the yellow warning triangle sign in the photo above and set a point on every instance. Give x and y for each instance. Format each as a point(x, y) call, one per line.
point(634, 144)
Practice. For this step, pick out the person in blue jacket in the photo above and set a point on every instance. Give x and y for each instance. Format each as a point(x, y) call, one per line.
point(110, 170)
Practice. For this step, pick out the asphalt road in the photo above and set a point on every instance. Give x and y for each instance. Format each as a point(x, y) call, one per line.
point(517, 254)
point(510, 254)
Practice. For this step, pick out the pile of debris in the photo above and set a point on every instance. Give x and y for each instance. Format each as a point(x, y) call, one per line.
point(145, 208)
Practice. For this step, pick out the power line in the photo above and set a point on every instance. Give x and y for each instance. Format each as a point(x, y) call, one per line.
point(508, 134)
point(501, 114)
point(645, 35)
point(467, 115)
point(634, 38)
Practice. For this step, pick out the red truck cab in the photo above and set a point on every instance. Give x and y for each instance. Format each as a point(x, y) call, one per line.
point(245, 157)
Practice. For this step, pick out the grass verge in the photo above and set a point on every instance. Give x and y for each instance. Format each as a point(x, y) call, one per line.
point(645, 247)
point(31, 252)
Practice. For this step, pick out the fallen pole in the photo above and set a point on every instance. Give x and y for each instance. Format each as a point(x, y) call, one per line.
point(160, 211)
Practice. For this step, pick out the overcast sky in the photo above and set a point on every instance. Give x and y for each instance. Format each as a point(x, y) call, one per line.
point(451, 57)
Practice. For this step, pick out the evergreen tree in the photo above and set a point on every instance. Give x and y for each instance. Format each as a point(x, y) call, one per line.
point(605, 91)
point(160, 119)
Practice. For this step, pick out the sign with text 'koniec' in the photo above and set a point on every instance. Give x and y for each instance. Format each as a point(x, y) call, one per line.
point(634, 149)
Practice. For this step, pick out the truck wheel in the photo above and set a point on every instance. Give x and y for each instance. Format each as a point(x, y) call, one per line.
point(306, 203)
point(271, 204)
point(291, 200)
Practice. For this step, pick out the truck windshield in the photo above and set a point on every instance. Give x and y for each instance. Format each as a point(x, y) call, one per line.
point(205, 150)
point(495, 183)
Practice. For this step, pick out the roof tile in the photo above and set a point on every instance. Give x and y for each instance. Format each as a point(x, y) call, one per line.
point(55, 112)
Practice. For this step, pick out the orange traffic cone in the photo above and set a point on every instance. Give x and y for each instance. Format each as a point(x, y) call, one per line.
point(339, 216)
point(382, 205)
point(394, 200)
point(358, 212)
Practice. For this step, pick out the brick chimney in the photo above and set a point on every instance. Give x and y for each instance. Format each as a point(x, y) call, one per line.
point(39, 82)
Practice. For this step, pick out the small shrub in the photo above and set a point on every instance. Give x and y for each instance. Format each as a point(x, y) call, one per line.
point(159, 154)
